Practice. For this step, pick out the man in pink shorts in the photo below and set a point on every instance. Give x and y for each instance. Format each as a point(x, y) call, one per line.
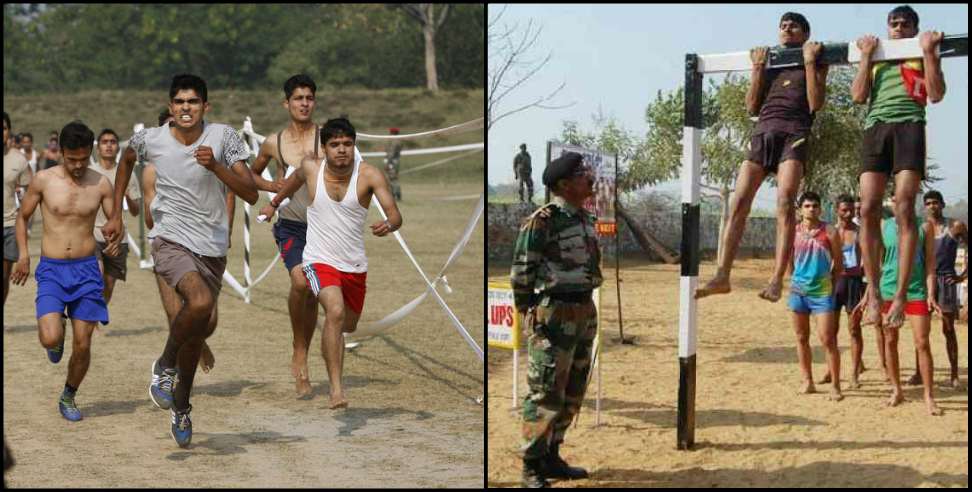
point(335, 264)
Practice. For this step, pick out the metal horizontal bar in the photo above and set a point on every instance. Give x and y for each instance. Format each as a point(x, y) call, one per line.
point(834, 54)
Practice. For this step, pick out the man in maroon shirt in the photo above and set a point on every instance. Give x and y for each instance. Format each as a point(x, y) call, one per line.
point(785, 100)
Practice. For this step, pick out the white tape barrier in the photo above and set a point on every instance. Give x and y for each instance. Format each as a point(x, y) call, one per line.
point(437, 150)
point(399, 314)
point(460, 128)
point(440, 162)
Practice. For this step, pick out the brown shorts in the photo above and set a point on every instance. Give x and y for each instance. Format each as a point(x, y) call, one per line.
point(770, 148)
point(115, 266)
point(891, 147)
point(173, 261)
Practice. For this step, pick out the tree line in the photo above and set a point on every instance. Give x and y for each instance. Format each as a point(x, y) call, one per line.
point(73, 47)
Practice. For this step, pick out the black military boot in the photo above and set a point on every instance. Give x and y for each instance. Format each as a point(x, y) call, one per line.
point(533, 474)
point(555, 467)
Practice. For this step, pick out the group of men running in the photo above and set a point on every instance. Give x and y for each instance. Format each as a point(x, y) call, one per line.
point(892, 257)
point(193, 172)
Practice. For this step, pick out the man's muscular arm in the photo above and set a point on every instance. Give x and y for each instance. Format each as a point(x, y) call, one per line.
point(382, 190)
point(112, 229)
point(267, 152)
point(27, 206)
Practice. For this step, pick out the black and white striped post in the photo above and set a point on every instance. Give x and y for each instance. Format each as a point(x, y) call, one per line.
point(695, 67)
point(691, 166)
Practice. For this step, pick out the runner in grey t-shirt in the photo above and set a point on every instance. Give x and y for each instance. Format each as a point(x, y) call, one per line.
point(194, 162)
point(190, 204)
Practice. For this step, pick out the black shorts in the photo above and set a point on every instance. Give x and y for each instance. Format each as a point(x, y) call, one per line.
point(770, 148)
point(947, 297)
point(848, 292)
point(892, 147)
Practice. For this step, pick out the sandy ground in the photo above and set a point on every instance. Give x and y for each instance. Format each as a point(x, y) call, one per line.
point(752, 430)
point(413, 419)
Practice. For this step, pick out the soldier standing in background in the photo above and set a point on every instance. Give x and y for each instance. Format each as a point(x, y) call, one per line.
point(556, 254)
point(392, 164)
point(522, 171)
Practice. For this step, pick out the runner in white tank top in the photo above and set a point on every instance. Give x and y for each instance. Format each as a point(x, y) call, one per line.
point(335, 230)
point(334, 258)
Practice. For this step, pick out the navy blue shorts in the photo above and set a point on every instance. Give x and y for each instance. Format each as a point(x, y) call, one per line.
point(291, 237)
point(74, 284)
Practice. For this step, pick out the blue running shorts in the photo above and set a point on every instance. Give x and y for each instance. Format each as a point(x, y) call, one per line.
point(811, 305)
point(291, 237)
point(75, 284)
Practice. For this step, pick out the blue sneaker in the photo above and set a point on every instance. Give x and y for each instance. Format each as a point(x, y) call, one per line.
point(68, 409)
point(182, 427)
point(54, 355)
point(160, 391)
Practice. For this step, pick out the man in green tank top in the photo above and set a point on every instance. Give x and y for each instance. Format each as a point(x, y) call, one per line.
point(920, 302)
point(894, 145)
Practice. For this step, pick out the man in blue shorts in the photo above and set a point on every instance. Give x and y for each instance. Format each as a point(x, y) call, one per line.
point(288, 147)
point(68, 275)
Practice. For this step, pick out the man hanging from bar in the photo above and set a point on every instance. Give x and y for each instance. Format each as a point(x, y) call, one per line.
point(556, 253)
point(786, 101)
point(894, 145)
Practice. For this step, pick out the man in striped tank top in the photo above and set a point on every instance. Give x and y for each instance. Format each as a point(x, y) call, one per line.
point(816, 265)
point(339, 193)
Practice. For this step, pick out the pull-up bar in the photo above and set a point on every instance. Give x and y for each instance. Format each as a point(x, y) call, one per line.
point(695, 67)
point(834, 54)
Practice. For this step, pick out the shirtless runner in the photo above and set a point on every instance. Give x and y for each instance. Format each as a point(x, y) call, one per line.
point(68, 275)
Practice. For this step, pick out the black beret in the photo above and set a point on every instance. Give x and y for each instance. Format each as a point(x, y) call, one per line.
point(562, 167)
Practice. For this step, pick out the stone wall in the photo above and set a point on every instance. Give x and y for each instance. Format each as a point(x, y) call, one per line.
point(503, 221)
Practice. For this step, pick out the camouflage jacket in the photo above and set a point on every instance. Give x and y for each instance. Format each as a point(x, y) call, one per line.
point(393, 152)
point(522, 162)
point(555, 255)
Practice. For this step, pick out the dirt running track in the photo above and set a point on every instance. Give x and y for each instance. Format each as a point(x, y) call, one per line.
point(413, 419)
point(752, 430)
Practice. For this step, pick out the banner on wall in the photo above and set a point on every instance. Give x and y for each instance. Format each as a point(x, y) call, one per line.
point(605, 171)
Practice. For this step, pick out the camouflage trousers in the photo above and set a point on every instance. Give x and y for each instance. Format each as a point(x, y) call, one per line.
point(560, 360)
point(525, 182)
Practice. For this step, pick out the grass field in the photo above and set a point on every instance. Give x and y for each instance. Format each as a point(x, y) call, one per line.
point(413, 420)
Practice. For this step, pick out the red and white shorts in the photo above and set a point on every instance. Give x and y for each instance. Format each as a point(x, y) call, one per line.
point(320, 275)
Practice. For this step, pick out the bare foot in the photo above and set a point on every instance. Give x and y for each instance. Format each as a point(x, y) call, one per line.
point(825, 379)
point(772, 292)
point(895, 317)
point(835, 395)
point(933, 409)
point(854, 384)
point(914, 380)
point(303, 387)
point(896, 398)
point(338, 401)
point(807, 388)
point(206, 359)
point(718, 285)
point(954, 383)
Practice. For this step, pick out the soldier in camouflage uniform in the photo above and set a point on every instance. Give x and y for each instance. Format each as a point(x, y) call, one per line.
point(557, 254)
point(523, 171)
point(392, 163)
